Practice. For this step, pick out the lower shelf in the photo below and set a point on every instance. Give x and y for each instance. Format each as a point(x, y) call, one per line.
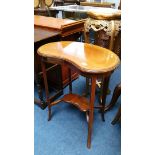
point(76, 100)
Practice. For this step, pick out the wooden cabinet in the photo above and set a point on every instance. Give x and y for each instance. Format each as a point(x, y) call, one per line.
point(49, 29)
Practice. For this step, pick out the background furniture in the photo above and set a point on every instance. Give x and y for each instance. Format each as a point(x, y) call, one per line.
point(98, 4)
point(75, 11)
point(80, 57)
point(119, 7)
point(115, 96)
point(45, 12)
point(66, 2)
point(41, 7)
point(117, 117)
point(42, 36)
point(107, 26)
point(48, 29)
point(106, 23)
point(36, 3)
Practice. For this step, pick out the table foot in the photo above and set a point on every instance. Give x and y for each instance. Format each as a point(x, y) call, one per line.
point(41, 104)
point(49, 114)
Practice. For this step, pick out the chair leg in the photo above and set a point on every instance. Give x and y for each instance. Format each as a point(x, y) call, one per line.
point(116, 94)
point(91, 110)
point(104, 94)
point(117, 117)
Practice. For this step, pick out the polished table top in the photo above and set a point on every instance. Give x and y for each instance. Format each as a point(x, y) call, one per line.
point(41, 33)
point(48, 27)
point(86, 57)
point(51, 22)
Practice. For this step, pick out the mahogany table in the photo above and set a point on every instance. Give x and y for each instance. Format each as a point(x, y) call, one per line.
point(49, 29)
point(88, 60)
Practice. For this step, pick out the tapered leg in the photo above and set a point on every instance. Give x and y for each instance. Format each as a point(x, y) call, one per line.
point(86, 37)
point(37, 79)
point(46, 89)
point(101, 91)
point(104, 94)
point(70, 81)
point(117, 117)
point(116, 94)
point(87, 87)
point(41, 101)
point(91, 111)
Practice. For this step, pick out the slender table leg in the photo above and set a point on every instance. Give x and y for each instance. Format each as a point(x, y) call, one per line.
point(86, 37)
point(104, 94)
point(70, 81)
point(40, 93)
point(87, 88)
point(116, 94)
point(87, 40)
point(91, 111)
point(41, 103)
point(117, 117)
point(101, 91)
point(46, 88)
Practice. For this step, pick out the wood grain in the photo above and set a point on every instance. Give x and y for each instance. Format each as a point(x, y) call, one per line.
point(50, 22)
point(86, 57)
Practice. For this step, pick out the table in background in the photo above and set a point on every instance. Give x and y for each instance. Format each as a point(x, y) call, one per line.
point(98, 4)
point(48, 29)
point(75, 11)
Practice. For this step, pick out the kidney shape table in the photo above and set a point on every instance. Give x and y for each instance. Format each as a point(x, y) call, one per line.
point(88, 60)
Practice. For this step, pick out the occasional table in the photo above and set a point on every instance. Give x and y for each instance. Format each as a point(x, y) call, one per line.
point(88, 60)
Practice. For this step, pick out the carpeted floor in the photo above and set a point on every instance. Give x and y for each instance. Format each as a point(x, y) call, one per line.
point(66, 133)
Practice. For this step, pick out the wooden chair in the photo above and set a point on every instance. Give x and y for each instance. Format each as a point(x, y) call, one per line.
point(115, 96)
point(117, 117)
point(119, 7)
point(36, 3)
